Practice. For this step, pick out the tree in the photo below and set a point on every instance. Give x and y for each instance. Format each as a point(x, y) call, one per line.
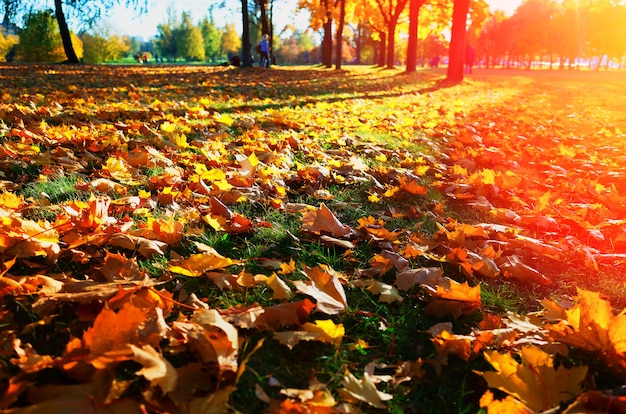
point(247, 53)
point(211, 38)
point(166, 41)
point(457, 41)
point(7, 44)
point(411, 52)
point(390, 10)
point(339, 41)
point(189, 40)
point(40, 40)
point(231, 42)
point(102, 47)
point(89, 12)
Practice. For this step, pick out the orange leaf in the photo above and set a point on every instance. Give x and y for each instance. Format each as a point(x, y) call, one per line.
point(323, 221)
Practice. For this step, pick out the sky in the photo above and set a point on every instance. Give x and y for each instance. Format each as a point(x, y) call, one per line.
point(125, 21)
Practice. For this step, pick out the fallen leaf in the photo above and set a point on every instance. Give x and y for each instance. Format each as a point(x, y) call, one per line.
point(534, 380)
point(363, 390)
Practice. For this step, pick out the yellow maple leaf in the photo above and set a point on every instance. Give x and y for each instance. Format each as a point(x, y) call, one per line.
point(534, 380)
point(199, 263)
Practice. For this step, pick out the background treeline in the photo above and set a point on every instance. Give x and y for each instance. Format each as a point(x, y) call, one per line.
point(178, 39)
point(547, 33)
point(541, 33)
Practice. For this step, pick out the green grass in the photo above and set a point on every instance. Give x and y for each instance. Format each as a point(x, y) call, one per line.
point(55, 190)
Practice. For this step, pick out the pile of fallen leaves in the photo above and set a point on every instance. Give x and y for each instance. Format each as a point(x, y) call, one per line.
point(121, 188)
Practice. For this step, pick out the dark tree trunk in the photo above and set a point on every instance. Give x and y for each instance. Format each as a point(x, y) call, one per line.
point(246, 60)
point(383, 49)
point(265, 23)
point(457, 42)
point(327, 40)
point(339, 41)
point(411, 51)
point(65, 33)
point(391, 45)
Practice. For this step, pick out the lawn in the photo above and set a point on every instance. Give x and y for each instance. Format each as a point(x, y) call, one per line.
point(194, 239)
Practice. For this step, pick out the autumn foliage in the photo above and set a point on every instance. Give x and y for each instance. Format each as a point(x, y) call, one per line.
point(160, 227)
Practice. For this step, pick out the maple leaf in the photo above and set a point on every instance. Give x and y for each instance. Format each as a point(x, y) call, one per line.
point(212, 337)
point(26, 238)
point(512, 266)
point(508, 405)
point(363, 390)
point(119, 267)
point(534, 380)
point(197, 264)
point(323, 221)
point(325, 287)
point(115, 331)
point(284, 314)
point(429, 276)
point(590, 325)
point(145, 247)
point(156, 369)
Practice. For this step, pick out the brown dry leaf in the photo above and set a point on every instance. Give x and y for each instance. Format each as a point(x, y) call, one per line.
point(388, 293)
point(117, 267)
point(535, 381)
point(24, 285)
point(146, 247)
point(325, 287)
point(512, 266)
point(363, 390)
point(323, 221)
point(428, 276)
point(156, 369)
point(213, 338)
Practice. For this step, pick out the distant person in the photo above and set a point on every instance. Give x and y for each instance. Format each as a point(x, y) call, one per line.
point(470, 56)
point(264, 51)
point(434, 62)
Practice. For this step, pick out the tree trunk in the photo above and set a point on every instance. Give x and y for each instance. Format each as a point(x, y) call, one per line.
point(411, 51)
point(457, 42)
point(358, 44)
point(265, 24)
point(327, 41)
point(246, 60)
point(342, 19)
point(391, 45)
point(383, 49)
point(66, 37)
